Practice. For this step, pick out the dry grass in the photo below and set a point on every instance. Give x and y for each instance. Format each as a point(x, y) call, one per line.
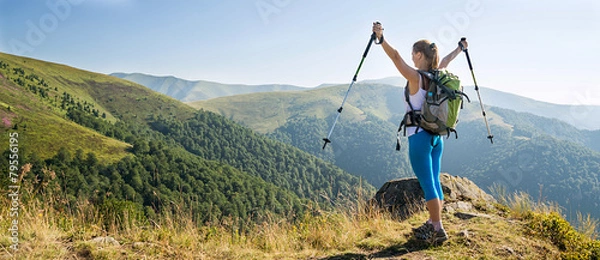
point(588, 226)
point(48, 234)
point(356, 232)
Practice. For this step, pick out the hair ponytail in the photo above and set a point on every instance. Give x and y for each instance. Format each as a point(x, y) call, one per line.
point(430, 50)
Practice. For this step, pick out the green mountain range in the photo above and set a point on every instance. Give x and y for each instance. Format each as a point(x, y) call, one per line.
point(580, 116)
point(119, 145)
point(545, 157)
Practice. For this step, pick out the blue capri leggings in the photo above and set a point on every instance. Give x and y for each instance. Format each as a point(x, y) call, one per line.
point(425, 154)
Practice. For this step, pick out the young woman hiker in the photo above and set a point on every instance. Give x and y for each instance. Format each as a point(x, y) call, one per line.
point(424, 149)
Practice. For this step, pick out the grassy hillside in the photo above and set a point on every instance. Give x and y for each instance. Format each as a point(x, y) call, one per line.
point(128, 150)
point(187, 91)
point(89, 134)
point(272, 110)
point(266, 112)
point(32, 110)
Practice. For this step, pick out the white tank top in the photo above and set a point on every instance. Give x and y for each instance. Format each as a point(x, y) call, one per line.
point(416, 101)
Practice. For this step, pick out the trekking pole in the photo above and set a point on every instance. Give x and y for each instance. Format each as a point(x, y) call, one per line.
point(490, 136)
point(373, 36)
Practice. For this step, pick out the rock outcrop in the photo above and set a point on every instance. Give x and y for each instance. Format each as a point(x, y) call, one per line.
point(404, 197)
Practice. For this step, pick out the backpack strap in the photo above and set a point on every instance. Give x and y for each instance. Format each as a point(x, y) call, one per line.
point(452, 130)
point(407, 97)
point(411, 118)
point(429, 74)
point(413, 115)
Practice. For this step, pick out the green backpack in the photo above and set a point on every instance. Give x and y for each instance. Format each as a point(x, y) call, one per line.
point(443, 101)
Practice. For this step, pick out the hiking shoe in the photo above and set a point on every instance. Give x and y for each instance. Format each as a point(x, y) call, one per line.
point(424, 232)
point(440, 236)
point(427, 232)
point(423, 227)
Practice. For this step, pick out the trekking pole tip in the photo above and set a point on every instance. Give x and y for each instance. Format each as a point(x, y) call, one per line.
point(491, 137)
point(326, 142)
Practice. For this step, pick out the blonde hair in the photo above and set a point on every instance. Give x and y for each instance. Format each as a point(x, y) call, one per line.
point(430, 51)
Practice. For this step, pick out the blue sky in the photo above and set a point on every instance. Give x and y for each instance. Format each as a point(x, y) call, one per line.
point(545, 50)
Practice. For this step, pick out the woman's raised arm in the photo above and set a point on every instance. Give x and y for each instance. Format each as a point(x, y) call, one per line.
point(446, 60)
point(408, 72)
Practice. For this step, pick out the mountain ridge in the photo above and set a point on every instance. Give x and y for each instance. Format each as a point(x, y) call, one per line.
point(195, 90)
point(580, 116)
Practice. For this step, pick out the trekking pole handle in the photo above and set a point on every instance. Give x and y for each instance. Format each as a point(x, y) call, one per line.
point(374, 35)
point(462, 47)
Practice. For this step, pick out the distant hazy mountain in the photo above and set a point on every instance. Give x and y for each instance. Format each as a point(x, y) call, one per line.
point(580, 116)
point(394, 81)
point(187, 91)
